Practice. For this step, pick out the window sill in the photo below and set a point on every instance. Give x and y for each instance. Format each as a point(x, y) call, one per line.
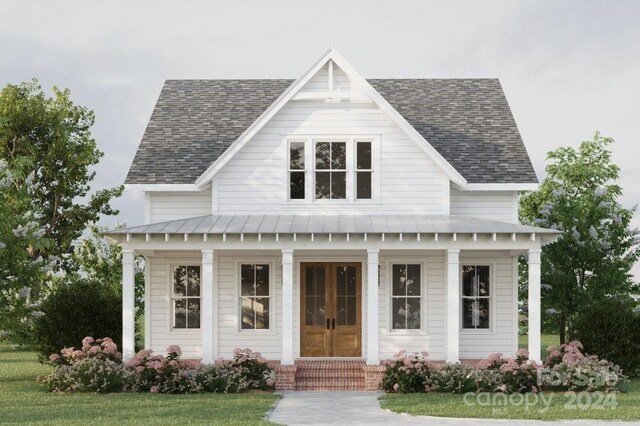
point(472, 332)
point(298, 203)
point(407, 333)
point(266, 332)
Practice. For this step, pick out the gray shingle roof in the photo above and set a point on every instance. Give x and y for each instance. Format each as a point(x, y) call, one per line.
point(467, 120)
point(339, 224)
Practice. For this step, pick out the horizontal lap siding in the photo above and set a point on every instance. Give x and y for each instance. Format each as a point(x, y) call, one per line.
point(166, 206)
point(256, 178)
point(494, 205)
point(479, 344)
point(431, 339)
point(161, 333)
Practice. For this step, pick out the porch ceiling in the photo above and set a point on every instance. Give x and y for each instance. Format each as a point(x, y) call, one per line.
point(331, 224)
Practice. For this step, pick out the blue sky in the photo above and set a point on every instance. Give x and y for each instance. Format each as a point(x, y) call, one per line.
point(568, 67)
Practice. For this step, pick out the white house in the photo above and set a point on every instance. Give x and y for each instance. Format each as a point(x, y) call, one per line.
point(334, 217)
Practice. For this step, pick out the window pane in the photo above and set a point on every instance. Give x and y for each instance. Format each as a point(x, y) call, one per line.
point(179, 281)
point(180, 313)
point(363, 185)
point(468, 279)
point(351, 280)
point(320, 281)
point(399, 279)
point(262, 280)
point(308, 284)
point(341, 310)
point(413, 280)
point(341, 280)
point(247, 278)
point(483, 280)
point(323, 185)
point(309, 310)
point(475, 313)
point(338, 155)
point(320, 311)
point(351, 310)
point(338, 185)
point(261, 307)
point(364, 155)
point(296, 156)
point(413, 313)
point(399, 313)
point(193, 281)
point(193, 313)
point(247, 313)
point(296, 185)
point(323, 158)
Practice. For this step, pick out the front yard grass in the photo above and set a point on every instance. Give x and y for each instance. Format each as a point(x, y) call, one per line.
point(22, 400)
point(562, 405)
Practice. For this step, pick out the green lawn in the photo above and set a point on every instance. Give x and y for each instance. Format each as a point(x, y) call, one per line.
point(22, 400)
point(624, 405)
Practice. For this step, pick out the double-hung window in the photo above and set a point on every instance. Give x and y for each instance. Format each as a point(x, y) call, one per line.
point(185, 296)
point(476, 297)
point(255, 296)
point(406, 296)
point(331, 170)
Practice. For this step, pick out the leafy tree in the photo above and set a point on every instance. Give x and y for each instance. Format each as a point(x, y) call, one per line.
point(47, 153)
point(593, 257)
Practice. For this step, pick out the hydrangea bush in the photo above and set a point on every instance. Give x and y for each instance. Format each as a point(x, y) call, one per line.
point(98, 367)
point(566, 368)
point(408, 373)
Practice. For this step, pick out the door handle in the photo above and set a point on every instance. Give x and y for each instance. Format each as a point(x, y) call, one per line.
point(328, 326)
point(333, 321)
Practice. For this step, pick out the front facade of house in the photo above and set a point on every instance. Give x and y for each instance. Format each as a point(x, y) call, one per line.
point(332, 217)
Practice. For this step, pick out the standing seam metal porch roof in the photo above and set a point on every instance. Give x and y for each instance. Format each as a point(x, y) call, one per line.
point(338, 224)
point(468, 121)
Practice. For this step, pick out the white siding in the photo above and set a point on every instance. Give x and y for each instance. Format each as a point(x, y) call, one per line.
point(476, 344)
point(495, 205)
point(473, 344)
point(162, 334)
point(165, 206)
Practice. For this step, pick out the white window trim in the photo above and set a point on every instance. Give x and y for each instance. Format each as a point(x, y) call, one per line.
point(309, 149)
point(272, 294)
point(422, 331)
point(170, 267)
point(492, 299)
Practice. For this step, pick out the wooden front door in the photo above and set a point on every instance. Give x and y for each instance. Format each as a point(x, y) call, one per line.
point(331, 309)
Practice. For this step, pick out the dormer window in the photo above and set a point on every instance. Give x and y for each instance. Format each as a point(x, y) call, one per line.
point(332, 169)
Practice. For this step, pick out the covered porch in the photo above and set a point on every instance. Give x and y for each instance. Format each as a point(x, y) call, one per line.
point(376, 247)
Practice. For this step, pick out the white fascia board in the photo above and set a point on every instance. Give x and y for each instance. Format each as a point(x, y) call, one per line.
point(165, 187)
point(263, 119)
point(500, 187)
point(332, 54)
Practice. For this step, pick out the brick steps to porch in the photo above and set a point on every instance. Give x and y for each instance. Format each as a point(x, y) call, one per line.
point(330, 375)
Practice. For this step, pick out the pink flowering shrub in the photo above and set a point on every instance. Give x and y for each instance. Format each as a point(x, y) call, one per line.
point(96, 367)
point(408, 373)
point(498, 373)
point(455, 378)
point(567, 367)
point(253, 366)
point(146, 372)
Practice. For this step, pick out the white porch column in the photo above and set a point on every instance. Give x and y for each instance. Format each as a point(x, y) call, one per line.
point(534, 304)
point(372, 307)
point(287, 307)
point(128, 304)
point(207, 325)
point(453, 305)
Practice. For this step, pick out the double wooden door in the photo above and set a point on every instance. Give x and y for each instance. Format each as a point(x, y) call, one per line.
point(331, 309)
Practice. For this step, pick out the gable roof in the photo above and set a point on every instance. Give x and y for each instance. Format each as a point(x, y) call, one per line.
point(468, 122)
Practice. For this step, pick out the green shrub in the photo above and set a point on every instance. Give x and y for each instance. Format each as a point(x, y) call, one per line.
point(75, 310)
point(610, 329)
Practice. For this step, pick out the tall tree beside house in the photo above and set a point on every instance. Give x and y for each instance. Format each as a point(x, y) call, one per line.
point(593, 257)
point(47, 148)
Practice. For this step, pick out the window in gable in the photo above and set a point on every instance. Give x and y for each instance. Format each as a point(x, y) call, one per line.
point(296, 171)
point(363, 170)
point(331, 170)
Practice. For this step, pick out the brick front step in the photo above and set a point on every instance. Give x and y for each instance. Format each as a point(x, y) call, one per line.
point(329, 374)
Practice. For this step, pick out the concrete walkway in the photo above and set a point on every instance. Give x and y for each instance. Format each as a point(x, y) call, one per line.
point(358, 408)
